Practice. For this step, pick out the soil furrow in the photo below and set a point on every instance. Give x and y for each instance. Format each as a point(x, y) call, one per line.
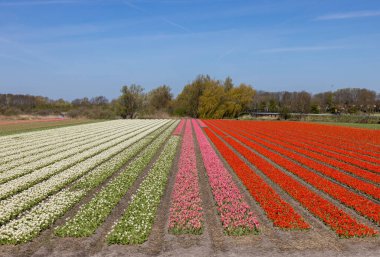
point(157, 239)
point(213, 225)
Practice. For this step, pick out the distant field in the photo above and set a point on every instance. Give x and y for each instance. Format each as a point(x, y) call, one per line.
point(353, 125)
point(14, 127)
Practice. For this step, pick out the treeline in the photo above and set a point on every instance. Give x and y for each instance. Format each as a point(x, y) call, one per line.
point(95, 108)
point(346, 100)
point(132, 103)
point(203, 98)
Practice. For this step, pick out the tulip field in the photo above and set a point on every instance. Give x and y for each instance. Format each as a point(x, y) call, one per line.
point(190, 187)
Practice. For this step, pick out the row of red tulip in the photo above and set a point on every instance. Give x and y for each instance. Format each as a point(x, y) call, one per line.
point(298, 153)
point(356, 139)
point(339, 221)
point(313, 142)
point(373, 177)
point(276, 209)
point(363, 137)
point(359, 203)
point(352, 141)
point(306, 144)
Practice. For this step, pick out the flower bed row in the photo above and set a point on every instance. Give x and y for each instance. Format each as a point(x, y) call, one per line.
point(179, 128)
point(359, 203)
point(201, 124)
point(312, 143)
point(32, 135)
point(12, 157)
point(31, 223)
point(280, 212)
point(281, 147)
point(32, 141)
point(318, 152)
point(58, 143)
point(11, 207)
point(186, 214)
point(27, 180)
point(137, 221)
point(333, 161)
point(354, 183)
point(102, 172)
point(362, 137)
point(93, 214)
point(235, 214)
point(315, 132)
point(357, 140)
point(23, 167)
point(339, 221)
point(39, 158)
point(12, 142)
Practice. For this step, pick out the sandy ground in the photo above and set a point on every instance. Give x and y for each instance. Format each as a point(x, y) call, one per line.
point(268, 243)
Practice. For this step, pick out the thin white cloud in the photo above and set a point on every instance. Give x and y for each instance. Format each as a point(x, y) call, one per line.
point(175, 24)
point(349, 15)
point(300, 49)
point(166, 20)
point(133, 6)
point(31, 3)
point(226, 53)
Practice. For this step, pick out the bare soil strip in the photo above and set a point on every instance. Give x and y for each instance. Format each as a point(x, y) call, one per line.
point(213, 225)
point(158, 237)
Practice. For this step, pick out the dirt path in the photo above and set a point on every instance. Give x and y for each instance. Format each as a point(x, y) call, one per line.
point(213, 226)
point(8, 122)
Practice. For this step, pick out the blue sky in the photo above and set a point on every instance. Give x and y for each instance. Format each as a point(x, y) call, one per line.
point(77, 48)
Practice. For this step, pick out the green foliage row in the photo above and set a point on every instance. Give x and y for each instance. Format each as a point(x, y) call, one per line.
point(93, 214)
point(106, 169)
point(136, 223)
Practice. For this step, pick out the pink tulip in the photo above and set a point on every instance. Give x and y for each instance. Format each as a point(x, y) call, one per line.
point(186, 210)
point(235, 213)
point(201, 124)
point(178, 129)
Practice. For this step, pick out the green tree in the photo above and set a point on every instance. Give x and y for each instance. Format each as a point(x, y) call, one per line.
point(239, 99)
point(130, 101)
point(273, 105)
point(228, 84)
point(160, 98)
point(187, 102)
point(211, 102)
